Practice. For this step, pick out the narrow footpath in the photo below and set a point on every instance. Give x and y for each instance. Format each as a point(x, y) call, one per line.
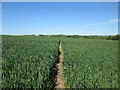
point(59, 78)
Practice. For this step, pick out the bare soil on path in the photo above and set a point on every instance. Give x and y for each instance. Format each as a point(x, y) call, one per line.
point(59, 77)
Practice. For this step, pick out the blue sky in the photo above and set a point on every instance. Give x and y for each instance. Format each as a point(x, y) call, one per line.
point(82, 18)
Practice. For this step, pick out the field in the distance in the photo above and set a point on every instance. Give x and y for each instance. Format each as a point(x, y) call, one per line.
point(88, 63)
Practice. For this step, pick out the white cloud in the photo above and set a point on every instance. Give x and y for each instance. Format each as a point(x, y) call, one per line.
point(103, 23)
point(114, 21)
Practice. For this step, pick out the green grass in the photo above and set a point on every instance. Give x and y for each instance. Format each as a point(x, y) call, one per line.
point(27, 61)
point(90, 63)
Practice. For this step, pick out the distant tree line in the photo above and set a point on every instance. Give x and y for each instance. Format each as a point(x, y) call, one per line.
point(110, 37)
point(116, 37)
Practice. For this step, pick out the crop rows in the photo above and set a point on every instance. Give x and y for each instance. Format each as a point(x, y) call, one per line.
point(27, 61)
point(90, 63)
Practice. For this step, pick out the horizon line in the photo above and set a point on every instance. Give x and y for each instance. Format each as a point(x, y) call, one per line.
point(62, 34)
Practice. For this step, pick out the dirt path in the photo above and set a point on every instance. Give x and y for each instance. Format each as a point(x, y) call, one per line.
point(59, 80)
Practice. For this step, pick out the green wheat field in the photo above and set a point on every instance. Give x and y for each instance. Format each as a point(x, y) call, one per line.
point(88, 63)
